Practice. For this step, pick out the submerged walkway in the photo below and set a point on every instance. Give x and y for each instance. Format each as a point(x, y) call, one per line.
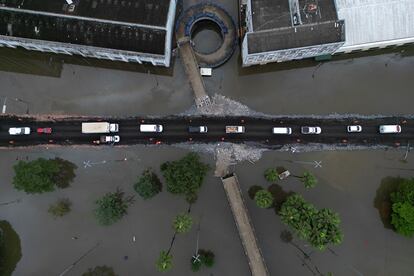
point(191, 67)
point(245, 227)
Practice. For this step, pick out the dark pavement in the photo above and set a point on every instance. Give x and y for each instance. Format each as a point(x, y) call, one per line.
point(258, 131)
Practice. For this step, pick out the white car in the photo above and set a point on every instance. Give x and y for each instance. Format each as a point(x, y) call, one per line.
point(311, 130)
point(355, 128)
point(150, 128)
point(19, 130)
point(390, 129)
point(110, 139)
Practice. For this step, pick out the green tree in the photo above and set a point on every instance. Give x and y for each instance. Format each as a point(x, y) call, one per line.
point(60, 208)
point(207, 257)
point(148, 185)
point(185, 176)
point(112, 207)
point(309, 180)
point(164, 262)
point(100, 271)
point(402, 215)
point(402, 218)
point(66, 173)
point(10, 249)
point(182, 223)
point(271, 175)
point(35, 176)
point(263, 199)
point(318, 227)
point(42, 175)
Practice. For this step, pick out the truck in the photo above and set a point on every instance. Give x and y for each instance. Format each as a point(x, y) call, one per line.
point(234, 129)
point(99, 127)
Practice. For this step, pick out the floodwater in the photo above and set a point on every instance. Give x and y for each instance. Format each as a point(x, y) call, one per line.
point(50, 84)
point(347, 184)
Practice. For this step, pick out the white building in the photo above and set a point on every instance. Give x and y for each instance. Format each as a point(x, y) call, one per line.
point(376, 23)
point(124, 30)
point(282, 30)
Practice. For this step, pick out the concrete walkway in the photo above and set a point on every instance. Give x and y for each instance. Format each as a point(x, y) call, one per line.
point(191, 67)
point(245, 227)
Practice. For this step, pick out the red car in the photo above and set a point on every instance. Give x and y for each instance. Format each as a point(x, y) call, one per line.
point(46, 130)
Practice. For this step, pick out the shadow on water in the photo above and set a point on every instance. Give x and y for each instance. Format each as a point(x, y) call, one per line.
point(10, 249)
point(402, 51)
point(382, 200)
point(20, 60)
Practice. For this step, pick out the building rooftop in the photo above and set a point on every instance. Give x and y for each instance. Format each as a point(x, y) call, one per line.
point(130, 25)
point(285, 24)
point(273, 14)
point(285, 38)
point(370, 21)
point(145, 12)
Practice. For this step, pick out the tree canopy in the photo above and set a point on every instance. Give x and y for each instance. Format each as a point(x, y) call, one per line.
point(271, 175)
point(185, 176)
point(42, 175)
point(100, 271)
point(206, 257)
point(148, 185)
point(309, 180)
point(112, 207)
point(60, 208)
point(164, 262)
point(319, 227)
point(402, 215)
point(263, 199)
point(182, 223)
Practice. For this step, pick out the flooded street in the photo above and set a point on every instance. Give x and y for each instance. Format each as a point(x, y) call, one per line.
point(44, 84)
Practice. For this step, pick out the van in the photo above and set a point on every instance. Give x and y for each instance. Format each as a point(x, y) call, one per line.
point(390, 129)
point(282, 130)
point(150, 128)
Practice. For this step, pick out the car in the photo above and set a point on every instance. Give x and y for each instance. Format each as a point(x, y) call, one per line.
point(197, 129)
point(354, 128)
point(46, 130)
point(110, 139)
point(390, 129)
point(310, 130)
point(282, 130)
point(150, 128)
point(19, 130)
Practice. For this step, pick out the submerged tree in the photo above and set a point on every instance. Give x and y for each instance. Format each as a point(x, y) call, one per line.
point(100, 271)
point(402, 200)
point(42, 175)
point(60, 208)
point(185, 176)
point(148, 185)
point(263, 199)
point(319, 227)
point(271, 175)
point(182, 223)
point(112, 207)
point(309, 180)
point(164, 262)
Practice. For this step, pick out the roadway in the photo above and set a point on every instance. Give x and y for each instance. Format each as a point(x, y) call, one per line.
point(258, 130)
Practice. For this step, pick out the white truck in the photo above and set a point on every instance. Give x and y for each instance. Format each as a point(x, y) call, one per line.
point(234, 129)
point(99, 127)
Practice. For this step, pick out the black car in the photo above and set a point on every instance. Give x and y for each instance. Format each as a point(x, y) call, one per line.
point(197, 129)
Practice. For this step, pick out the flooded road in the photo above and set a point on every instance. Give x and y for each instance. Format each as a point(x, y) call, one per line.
point(381, 84)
